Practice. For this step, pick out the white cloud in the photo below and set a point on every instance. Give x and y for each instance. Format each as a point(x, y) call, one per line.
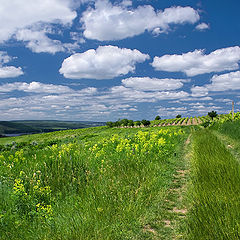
point(38, 41)
point(16, 15)
point(106, 62)
point(4, 58)
point(199, 91)
point(152, 84)
point(32, 22)
point(224, 82)
point(219, 83)
point(130, 94)
point(224, 100)
point(8, 71)
point(171, 111)
point(35, 87)
point(202, 26)
point(115, 22)
point(195, 63)
point(189, 99)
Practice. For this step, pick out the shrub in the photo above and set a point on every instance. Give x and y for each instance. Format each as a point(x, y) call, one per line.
point(145, 122)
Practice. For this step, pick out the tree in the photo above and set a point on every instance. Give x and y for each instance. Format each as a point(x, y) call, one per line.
point(178, 116)
point(130, 123)
point(145, 122)
point(212, 114)
point(157, 118)
point(138, 123)
point(124, 122)
point(117, 123)
point(110, 124)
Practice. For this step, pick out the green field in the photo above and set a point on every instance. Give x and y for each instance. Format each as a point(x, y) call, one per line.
point(171, 182)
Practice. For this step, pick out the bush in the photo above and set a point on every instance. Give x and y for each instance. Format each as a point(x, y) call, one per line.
point(138, 123)
point(110, 124)
point(206, 124)
point(145, 122)
point(130, 123)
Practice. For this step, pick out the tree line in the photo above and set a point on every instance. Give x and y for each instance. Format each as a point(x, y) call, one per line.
point(128, 123)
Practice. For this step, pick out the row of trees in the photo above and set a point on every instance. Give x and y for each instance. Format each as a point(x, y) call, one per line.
point(128, 123)
point(159, 118)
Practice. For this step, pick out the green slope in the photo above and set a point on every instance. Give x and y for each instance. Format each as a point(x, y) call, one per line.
point(38, 126)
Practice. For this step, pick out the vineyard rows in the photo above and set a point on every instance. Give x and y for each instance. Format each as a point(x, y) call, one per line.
point(185, 121)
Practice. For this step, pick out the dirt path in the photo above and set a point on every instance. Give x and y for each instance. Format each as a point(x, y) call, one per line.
point(175, 200)
point(194, 121)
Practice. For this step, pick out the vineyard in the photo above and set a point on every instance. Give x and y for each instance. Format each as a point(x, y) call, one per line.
point(185, 121)
point(196, 120)
point(176, 180)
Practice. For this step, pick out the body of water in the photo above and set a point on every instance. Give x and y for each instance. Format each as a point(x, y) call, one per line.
point(16, 134)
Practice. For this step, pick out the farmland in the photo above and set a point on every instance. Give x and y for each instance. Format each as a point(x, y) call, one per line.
point(171, 181)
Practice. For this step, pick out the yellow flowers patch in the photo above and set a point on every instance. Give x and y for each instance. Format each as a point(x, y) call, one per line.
point(140, 143)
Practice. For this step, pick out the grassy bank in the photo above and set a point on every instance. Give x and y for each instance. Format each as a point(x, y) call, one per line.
point(230, 129)
point(110, 184)
point(215, 190)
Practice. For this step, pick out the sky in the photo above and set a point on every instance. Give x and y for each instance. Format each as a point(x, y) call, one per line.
point(102, 60)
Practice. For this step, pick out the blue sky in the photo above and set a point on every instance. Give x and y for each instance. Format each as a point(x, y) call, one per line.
point(105, 60)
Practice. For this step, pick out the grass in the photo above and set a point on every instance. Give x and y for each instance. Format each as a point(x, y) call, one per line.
point(229, 134)
point(118, 183)
point(230, 129)
point(214, 195)
point(93, 183)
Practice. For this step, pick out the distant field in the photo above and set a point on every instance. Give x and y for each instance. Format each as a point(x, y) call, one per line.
point(15, 127)
point(100, 183)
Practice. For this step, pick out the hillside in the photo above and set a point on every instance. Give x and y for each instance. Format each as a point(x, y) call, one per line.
point(39, 126)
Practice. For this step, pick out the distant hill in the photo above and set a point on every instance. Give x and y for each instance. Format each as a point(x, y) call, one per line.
point(39, 126)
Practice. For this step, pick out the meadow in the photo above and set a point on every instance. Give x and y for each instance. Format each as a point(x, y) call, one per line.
point(169, 182)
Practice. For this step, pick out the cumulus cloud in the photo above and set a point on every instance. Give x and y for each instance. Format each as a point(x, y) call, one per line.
point(38, 41)
point(106, 62)
point(189, 99)
point(219, 83)
point(8, 71)
point(195, 63)
point(199, 91)
point(203, 108)
point(15, 15)
point(224, 100)
point(153, 84)
point(115, 22)
point(171, 111)
point(32, 22)
point(224, 82)
point(202, 26)
point(130, 94)
point(35, 87)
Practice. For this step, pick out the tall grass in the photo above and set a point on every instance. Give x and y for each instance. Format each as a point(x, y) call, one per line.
point(215, 190)
point(92, 187)
point(231, 129)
